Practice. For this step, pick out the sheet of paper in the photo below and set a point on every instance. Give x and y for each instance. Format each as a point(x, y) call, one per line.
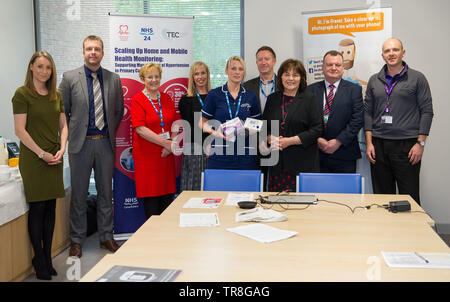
point(260, 215)
point(262, 233)
point(199, 219)
point(234, 198)
point(202, 203)
point(417, 260)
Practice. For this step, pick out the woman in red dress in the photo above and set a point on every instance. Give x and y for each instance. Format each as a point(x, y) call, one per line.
point(152, 115)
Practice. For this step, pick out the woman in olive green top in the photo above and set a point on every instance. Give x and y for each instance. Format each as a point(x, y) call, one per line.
point(40, 124)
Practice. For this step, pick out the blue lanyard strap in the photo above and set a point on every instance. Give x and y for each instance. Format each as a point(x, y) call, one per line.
point(229, 107)
point(199, 98)
point(271, 90)
point(160, 113)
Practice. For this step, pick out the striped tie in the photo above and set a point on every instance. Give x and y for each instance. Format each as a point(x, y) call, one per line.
point(98, 102)
point(327, 108)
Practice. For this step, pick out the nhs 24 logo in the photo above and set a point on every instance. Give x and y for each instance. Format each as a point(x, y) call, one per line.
point(147, 33)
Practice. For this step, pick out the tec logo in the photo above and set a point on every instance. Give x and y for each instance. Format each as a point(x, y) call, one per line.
point(172, 34)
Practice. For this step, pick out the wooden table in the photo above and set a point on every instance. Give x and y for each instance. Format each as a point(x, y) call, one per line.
point(332, 244)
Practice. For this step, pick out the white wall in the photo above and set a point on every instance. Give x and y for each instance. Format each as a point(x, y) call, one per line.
point(423, 28)
point(17, 23)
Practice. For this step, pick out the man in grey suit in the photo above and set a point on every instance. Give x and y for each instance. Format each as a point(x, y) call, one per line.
point(93, 101)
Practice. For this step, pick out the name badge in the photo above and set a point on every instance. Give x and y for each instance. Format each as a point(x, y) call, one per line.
point(165, 135)
point(386, 119)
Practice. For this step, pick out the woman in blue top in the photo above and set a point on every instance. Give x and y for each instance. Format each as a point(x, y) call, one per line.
point(237, 150)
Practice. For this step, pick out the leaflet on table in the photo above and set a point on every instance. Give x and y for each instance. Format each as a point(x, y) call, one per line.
point(259, 214)
point(234, 198)
point(202, 203)
point(199, 219)
point(262, 233)
point(417, 260)
point(138, 274)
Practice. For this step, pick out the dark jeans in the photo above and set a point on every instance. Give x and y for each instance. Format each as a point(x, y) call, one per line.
point(392, 168)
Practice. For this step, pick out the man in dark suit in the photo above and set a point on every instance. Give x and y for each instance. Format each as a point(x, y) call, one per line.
point(342, 108)
point(93, 101)
point(263, 85)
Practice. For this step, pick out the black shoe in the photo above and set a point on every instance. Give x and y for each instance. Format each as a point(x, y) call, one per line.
point(41, 272)
point(53, 272)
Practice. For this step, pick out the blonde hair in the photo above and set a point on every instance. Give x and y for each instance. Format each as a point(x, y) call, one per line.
point(148, 66)
point(236, 58)
point(51, 82)
point(191, 85)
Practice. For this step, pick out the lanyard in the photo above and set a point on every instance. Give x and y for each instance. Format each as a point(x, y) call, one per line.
point(160, 113)
point(389, 90)
point(199, 98)
point(388, 93)
point(262, 90)
point(229, 107)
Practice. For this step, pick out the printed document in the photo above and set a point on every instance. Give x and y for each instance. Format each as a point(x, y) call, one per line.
point(417, 260)
point(199, 219)
point(234, 198)
point(202, 203)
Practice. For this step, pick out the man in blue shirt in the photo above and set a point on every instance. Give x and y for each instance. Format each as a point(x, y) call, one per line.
point(93, 100)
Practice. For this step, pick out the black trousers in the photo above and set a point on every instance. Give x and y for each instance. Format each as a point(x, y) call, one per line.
point(392, 168)
point(331, 165)
point(156, 205)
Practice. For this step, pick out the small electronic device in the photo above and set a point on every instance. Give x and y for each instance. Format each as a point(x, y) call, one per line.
point(13, 150)
point(291, 199)
point(399, 206)
point(246, 204)
point(253, 124)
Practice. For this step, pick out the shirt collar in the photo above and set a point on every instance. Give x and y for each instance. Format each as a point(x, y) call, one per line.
point(225, 89)
point(268, 82)
point(89, 72)
point(336, 84)
point(388, 77)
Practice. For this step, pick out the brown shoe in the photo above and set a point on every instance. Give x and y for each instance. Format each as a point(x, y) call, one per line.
point(110, 245)
point(75, 250)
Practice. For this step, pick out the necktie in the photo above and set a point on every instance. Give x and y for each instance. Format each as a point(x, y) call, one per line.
point(329, 102)
point(98, 102)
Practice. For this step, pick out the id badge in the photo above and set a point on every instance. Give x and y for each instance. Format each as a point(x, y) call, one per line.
point(386, 119)
point(165, 135)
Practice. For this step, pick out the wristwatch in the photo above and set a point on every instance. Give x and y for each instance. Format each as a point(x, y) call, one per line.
point(41, 155)
point(422, 143)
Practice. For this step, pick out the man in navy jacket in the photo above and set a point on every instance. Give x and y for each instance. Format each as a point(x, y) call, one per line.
point(339, 147)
